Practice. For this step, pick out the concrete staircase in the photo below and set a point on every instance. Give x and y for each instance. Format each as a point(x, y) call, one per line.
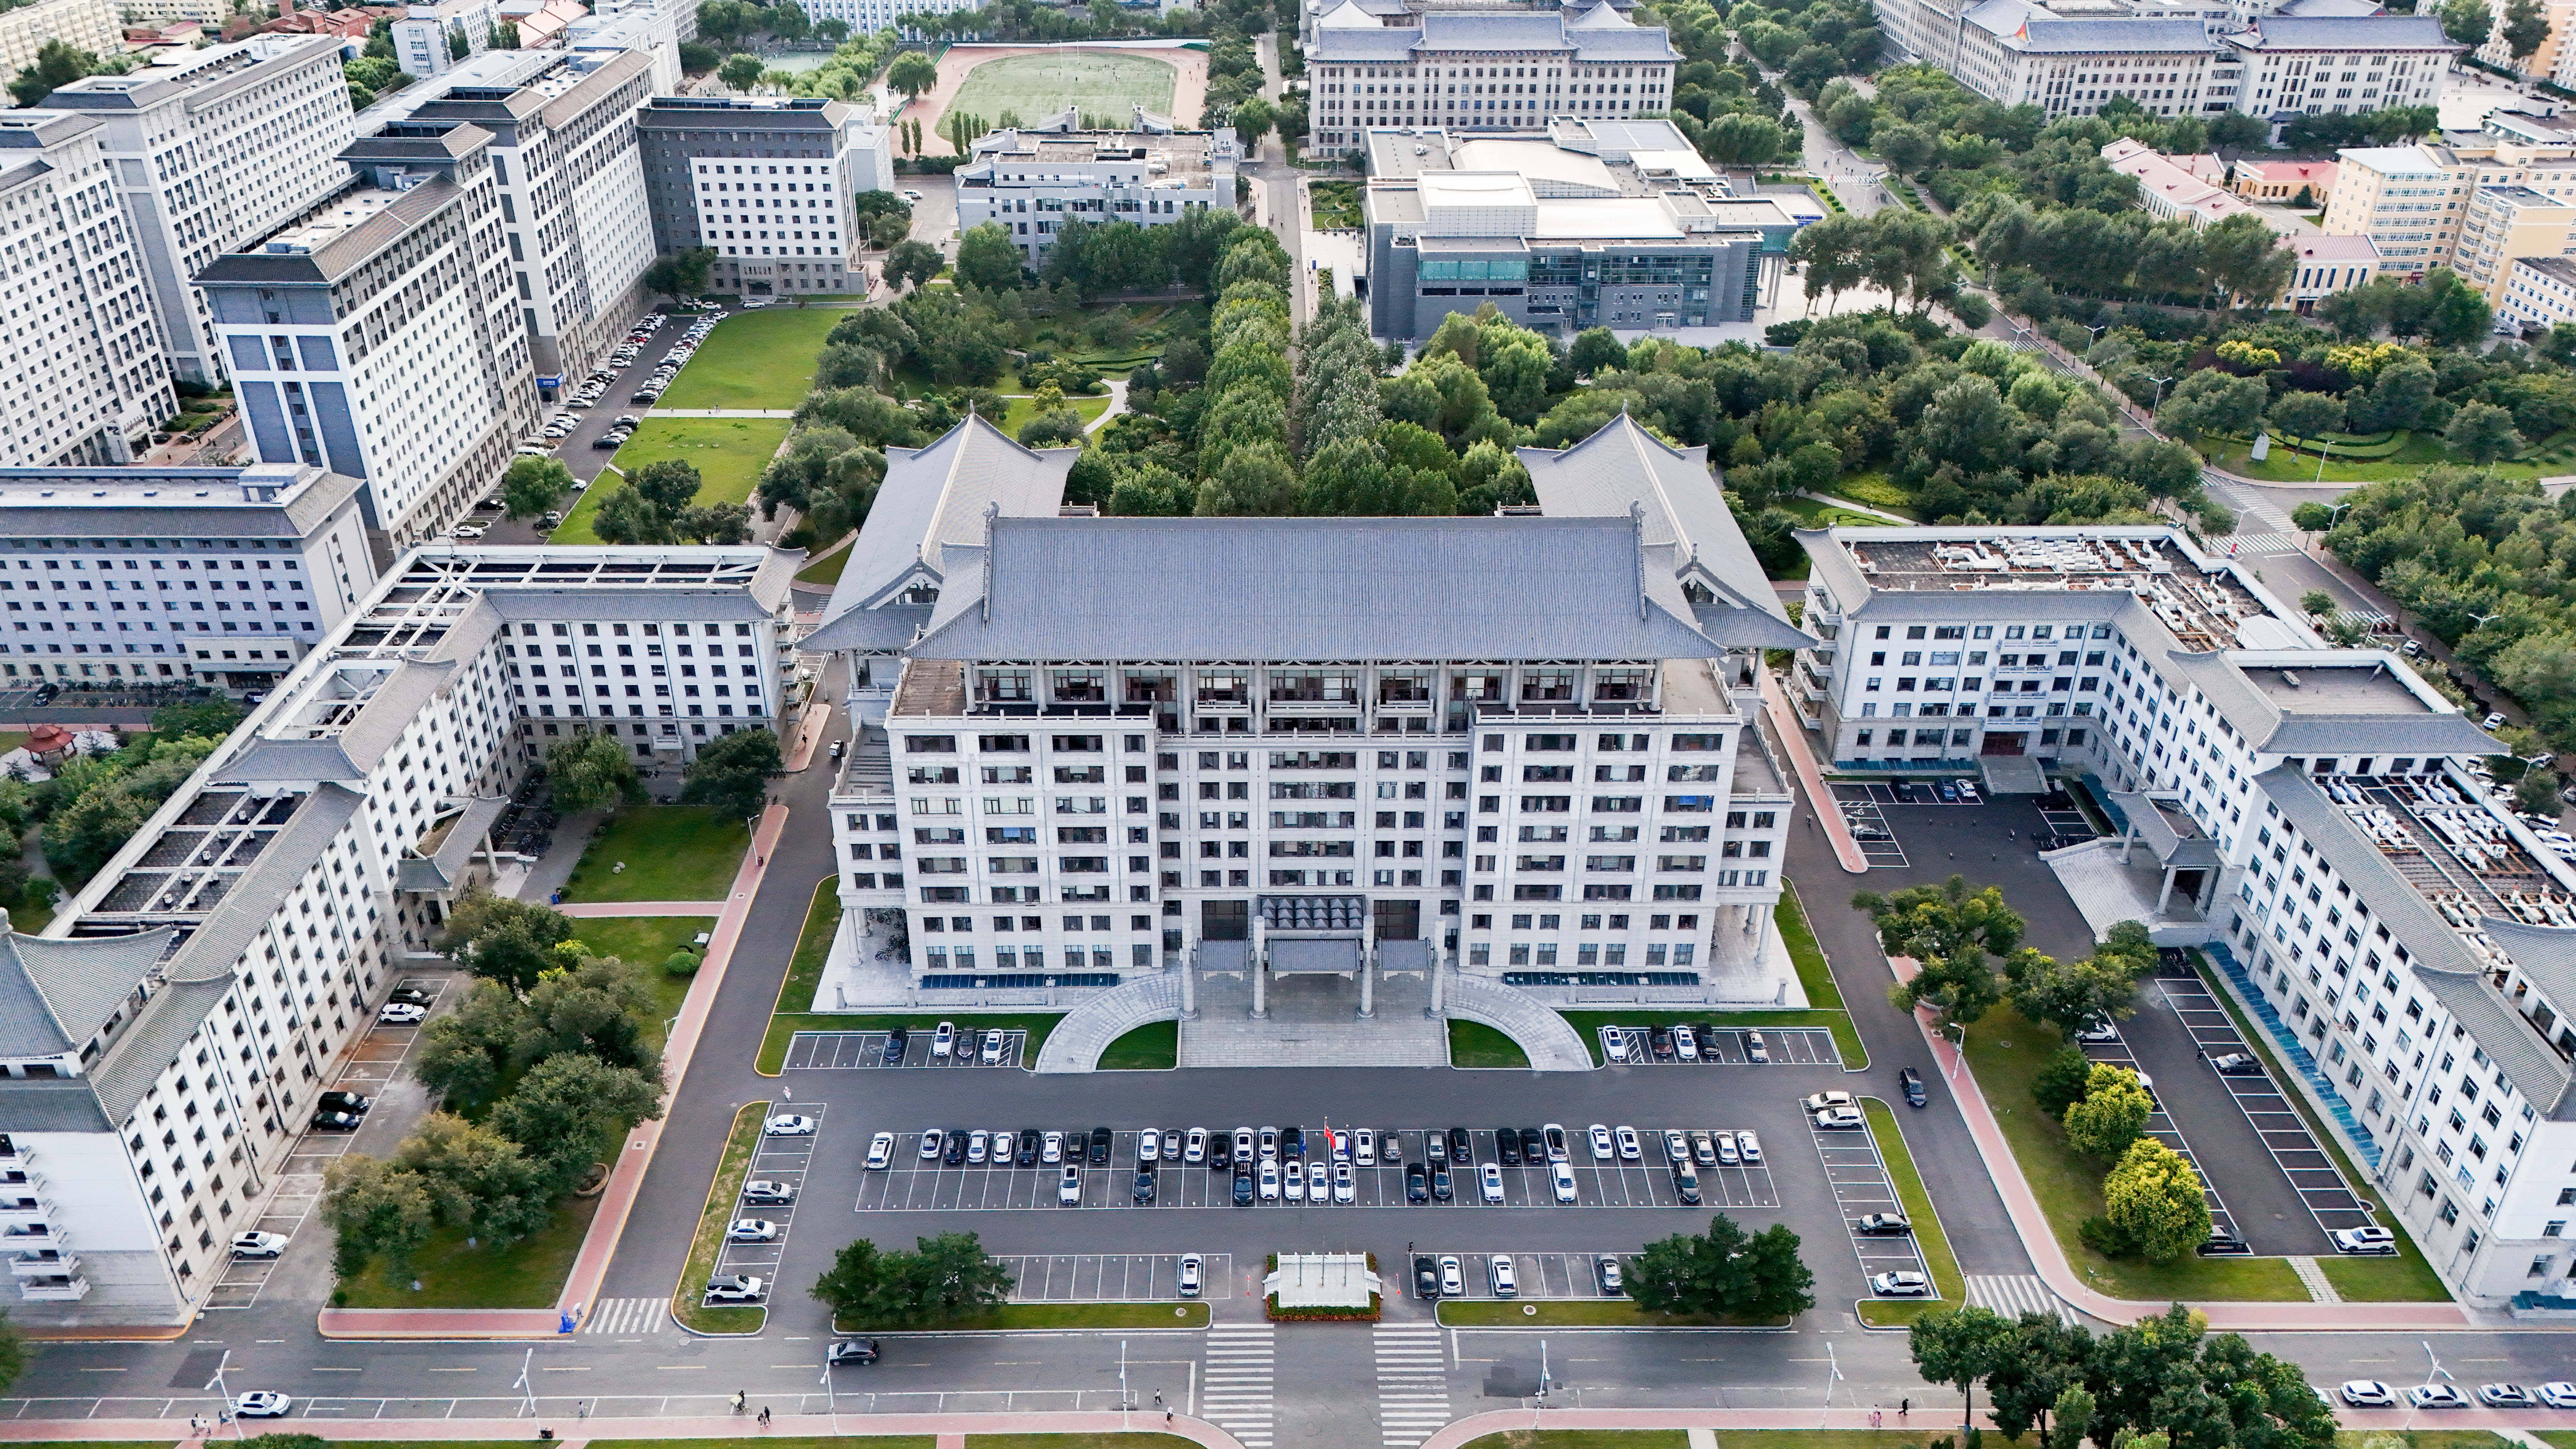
point(1314, 1021)
point(1553, 1044)
point(1086, 1031)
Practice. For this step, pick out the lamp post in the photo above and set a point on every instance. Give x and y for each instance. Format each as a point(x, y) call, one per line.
point(225, 1395)
point(1833, 1373)
point(523, 1386)
point(2160, 392)
point(2436, 1371)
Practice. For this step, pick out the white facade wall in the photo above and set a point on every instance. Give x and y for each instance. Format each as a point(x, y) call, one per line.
point(424, 40)
point(2539, 293)
point(91, 25)
point(1032, 198)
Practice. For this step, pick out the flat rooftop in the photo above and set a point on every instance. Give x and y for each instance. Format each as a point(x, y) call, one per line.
point(330, 221)
point(2205, 609)
point(2334, 690)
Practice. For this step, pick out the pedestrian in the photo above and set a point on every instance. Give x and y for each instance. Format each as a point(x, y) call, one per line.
point(1902, 1406)
point(581, 1409)
point(1167, 1416)
point(764, 1416)
point(1158, 1396)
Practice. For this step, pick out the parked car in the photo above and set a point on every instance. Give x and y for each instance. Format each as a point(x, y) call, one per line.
point(1686, 1184)
point(1453, 1277)
point(401, 1013)
point(943, 1043)
point(1822, 1100)
point(1489, 1178)
point(1100, 1147)
point(751, 1230)
point(763, 1192)
point(1606, 1268)
point(346, 1102)
point(1839, 1119)
point(263, 1404)
point(1068, 1186)
point(1603, 1148)
point(1901, 1285)
point(880, 1151)
point(735, 1288)
point(2366, 1242)
point(1562, 1179)
point(933, 1141)
point(990, 1054)
point(2236, 1064)
point(1506, 1281)
point(1630, 1150)
point(788, 1125)
point(2368, 1394)
point(2436, 1396)
point(1614, 1045)
point(258, 1245)
point(2558, 1394)
point(1686, 1043)
point(2504, 1396)
point(1193, 1271)
point(1051, 1148)
point(1883, 1225)
point(1756, 1050)
point(2097, 1032)
point(335, 1121)
point(1144, 1188)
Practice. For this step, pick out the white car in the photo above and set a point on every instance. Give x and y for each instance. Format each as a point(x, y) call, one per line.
point(1676, 1146)
point(469, 530)
point(2492, 722)
point(1149, 1146)
point(1507, 1283)
point(1628, 1147)
point(263, 1404)
point(1364, 1147)
point(733, 1288)
point(2436, 1396)
point(912, 196)
point(258, 1245)
point(1341, 1144)
point(1968, 793)
point(1823, 1100)
point(2504, 1396)
point(1345, 1183)
point(788, 1126)
point(1194, 1147)
point(1051, 1148)
point(2366, 1242)
point(991, 1054)
point(1750, 1147)
point(932, 1140)
point(1756, 1050)
point(1901, 1285)
point(1294, 1181)
point(1243, 1144)
point(2368, 1394)
point(944, 1042)
point(2098, 1032)
point(1490, 1178)
point(1603, 1149)
point(880, 1151)
point(2557, 1394)
point(1270, 1180)
point(1727, 1153)
point(976, 1143)
point(1838, 1119)
point(1068, 1187)
point(1686, 1043)
point(1193, 1271)
point(1614, 1045)
point(402, 1013)
point(1564, 1182)
point(752, 1230)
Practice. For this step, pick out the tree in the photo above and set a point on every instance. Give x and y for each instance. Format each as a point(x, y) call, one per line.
point(568, 1111)
point(741, 72)
point(2536, 793)
point(2307, 415)
point(590, 772)
point(476, 1178)
point(1951, 930)
point(2482, 433)
point(13, 1353)
point(2034, 1367)
point(1906, 148)
point(987, 259)
point(2068, 995)
point(855, 1279)
point(628, 517)
point(682, 274)
point(2210, 401)
point(2154, 1202)
point(888, 228)
point(2526, 25)
point(2316, 603)
point(2467, 21)
point(2062, 1080)
point(532, 485)
point(377, 1210)
point(2242, 257)
point(914, 73)
point(58, 64)
point(211, 717)
point(1959, 1347)
point(464, 1053)
point(731, 773)
point(503, 940)
point(86, 834)
point(942, 1280)
point(1256, 480)
point(1055, 428)
point(1724, 1273)
point(1597, 350)
point(912, 263)
point(600, 1008)
point(667, 483)
point(2114, 1111)
point(1253, 120)
point(503, 35)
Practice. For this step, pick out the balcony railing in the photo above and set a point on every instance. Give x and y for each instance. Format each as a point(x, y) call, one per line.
point(62, 1290)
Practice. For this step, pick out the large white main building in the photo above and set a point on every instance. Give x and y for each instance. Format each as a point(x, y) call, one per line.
point(2304, 814)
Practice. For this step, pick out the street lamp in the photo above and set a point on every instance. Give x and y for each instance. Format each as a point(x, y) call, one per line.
point(2436, 1371)
point(225, 1395)
point(2160, 392)
point(1833, 1372)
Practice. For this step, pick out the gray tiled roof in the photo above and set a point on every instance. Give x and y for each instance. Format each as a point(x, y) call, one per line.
point(216, 947)
point(1320, 589)
point(2546, 954)
point(934, 497)
point(1381, 44)
point(1446, 31)
point(2345, 32)
point(180, 512)
point(2171, 847)
point(2540, 1074)
point(56, 995)
point(2270, 729)
point(871, 630)
point(160, 1032)
point(456, 849)
point(66, 1104)
point(2026, 26)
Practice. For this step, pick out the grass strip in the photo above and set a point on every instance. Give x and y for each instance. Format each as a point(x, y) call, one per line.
point(804, 977)
point(826, 569)
point(1816, 976)
point(1153, 1047)
point(1580, 1313)
point(530, 1273)
point(1131, 1439)
point(671, 853)
point(722, 1194)
point(645, 942)
point(761, 359)
point(2405, 1278)
point(1928, 1235)
point(1587, 1439)
point(1588, 1024)
point(1024, 1317)
point(1474, 1044)
point(729, 454)
point(871, 1441)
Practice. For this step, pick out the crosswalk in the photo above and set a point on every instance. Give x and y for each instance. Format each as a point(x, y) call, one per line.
point(2014, 1294)
point(627, 1317)
point(1239, 1382)
point(1412, 1382)
point(2258, 544)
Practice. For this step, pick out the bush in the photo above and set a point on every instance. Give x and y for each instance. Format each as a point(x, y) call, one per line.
point(683, 963)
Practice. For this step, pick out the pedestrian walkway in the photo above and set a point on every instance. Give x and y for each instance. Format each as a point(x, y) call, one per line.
point(1101, 1017)
point(1793, 740)
point(1553, 1045)
point(1412, 1382)
point(1238, 1396)
point(627, 1317)
point(2313, 1278)
point(2014, 1294)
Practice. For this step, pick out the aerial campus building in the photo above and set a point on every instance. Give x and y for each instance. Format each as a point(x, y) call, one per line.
point(1101, 749)
point(2305, 813)
point(162, 1045)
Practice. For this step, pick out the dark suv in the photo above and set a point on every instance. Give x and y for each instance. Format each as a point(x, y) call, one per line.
point(1507, 1146)
point(1100, 1147)
point(1417, 1183)
point(896, 1041)
point(1028, 1154)
point(1912, 1081)
point(1243, 1184)
point(1462, 1147)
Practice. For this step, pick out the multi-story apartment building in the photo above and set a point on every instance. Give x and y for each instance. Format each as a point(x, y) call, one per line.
point(164, 1043)
point(766, 184)
point(2405, 199)
point(1608, 223)
point(1485, 70)
point(2308, 820)
point(1530, 776)
point(2505, 223)
point(2539, 293)
point(2550, 62)
point(1032, 181)
point(87, 379)
point(869, 16)
point(570, 175)
point(91, 25)
point(435, 34)
point(211, 150)
point(226, 576)
point(380, 336)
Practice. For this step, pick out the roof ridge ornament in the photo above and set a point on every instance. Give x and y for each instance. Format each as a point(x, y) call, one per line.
point(992, 512)
point(1637, 522)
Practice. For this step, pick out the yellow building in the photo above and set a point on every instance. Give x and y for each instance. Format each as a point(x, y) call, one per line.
point(91, 25)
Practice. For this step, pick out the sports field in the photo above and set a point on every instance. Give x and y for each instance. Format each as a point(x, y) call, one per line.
point(1098, 83)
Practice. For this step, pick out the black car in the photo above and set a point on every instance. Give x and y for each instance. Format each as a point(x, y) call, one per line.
point(1028, 1153)
point(1440, 1184)
point(409, 996)
point(1144, 1184)
point(1904, 790)
point(1292, 1143)
point(954, 1152)
point(854, 1350)
point(1220, 1151)
point(1507, 1146)
point(2236, 1064)
point(1417, 1183)
point(1659, 1040)
point(1912, 1081)
point(1533, 1146)
point(346, 1102)
point(1426, 1276)
point(1462, 1147)
point(1243, 1184)
point(335, 1121)
point(1100, 1147)
point(896, 1041)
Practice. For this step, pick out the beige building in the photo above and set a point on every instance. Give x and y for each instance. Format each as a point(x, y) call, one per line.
point(2281, 182)
point(2413, 201)
point(2503, 223)
point(91, 25)
point(2551, 62)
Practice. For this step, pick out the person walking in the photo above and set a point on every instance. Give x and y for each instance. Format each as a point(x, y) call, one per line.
point(1902, 1407)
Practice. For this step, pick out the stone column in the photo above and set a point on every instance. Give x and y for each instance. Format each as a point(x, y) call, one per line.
point(1368, 978)
point(1189, 982)
point(1260, 992)
point(2166, 894)
point(1434, 1009)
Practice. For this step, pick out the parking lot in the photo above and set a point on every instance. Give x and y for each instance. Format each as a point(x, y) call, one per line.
point(1111, 1277)
point(1534, 1275)
point(913, 1185)
point(1868, 824)
point(373, 1062)
point(2284, 1133)
point(2161, 1126)
point(1858, 1176)
point(1726, 1047)
point(835, 1050)
point(781, 1160)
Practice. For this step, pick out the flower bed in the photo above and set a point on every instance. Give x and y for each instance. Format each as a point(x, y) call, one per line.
point(1323, 1315)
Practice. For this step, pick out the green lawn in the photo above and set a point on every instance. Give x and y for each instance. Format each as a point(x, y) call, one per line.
point(1589, 1439)
point(1336, 205)
point(1474, 1044)
point(647, 942)
point(1095, 82)
point(29, 919)
point(762, 359)
point(788, 1016)
point(530, 1274)
point(724, 1194)
point(1153, 1047)
point(671, 853)
point(1135, 1439)
point(1589, 1023)
point(1025, 409)
point(826, 569)
point(2006, 1052)
point(1816, 976)
point(889, 1441)
point(1574, 1313)
point(729, 454)
point(1034, 1317)
point(2563, 1438)
point(2551, 455)
point(1928, 1236)
point(1820, 514)
point(2403, 1278)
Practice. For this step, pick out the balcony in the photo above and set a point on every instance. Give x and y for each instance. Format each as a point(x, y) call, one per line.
point(27, 1210)
point(15, 1156)
point(54, 1290)
point(46, 1263)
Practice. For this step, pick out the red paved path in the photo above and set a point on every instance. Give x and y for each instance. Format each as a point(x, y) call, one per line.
point(1793, 738)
